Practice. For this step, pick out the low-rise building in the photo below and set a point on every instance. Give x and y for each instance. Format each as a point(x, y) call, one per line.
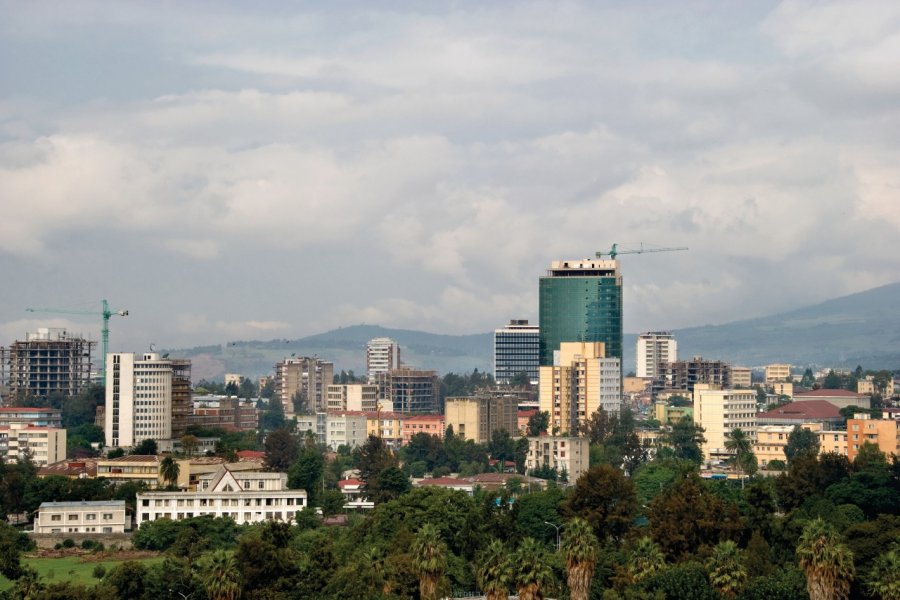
point(667, 414)
point(106, 516)
point(477, 417)
point(137, 468)
point(81, 468)
point(45, 445)
point(386, 424)
point(569, 454)
point(839, 398)
point(777, 372)
point(447, 483)
point(245, 497)
point(354, 493)
point(783, 388)
point(833, 440)
point(741, 377)
point(428, 424)
point(798, 413)
point(36, 417)
point(223, 412)
point(771, 440)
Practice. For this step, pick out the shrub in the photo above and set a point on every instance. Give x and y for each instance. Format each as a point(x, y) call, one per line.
point(57, 546)
point(440, 472)
point(68, 543)
point(87, 544)
point(775, 465)
point(99, 572)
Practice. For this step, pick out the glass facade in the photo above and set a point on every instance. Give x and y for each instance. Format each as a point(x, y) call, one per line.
point(580, 302)
point(516, 350)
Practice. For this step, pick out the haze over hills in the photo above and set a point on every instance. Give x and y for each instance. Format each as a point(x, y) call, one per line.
point(862, 328)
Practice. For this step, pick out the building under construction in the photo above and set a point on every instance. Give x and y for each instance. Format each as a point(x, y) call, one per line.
point(49, 361)
point(181, 396)
point(684, 374)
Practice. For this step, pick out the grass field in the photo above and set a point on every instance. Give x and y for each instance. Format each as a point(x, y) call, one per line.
point(69, 568)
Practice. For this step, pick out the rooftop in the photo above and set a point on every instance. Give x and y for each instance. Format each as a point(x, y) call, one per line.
point(84, 504)
point(134, 458)
point(830, 394)
point(806, 409)
point(28, 409)
point(444, 482)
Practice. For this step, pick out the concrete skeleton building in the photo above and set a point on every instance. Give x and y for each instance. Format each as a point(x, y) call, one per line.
point(49, 361)
point(685, 374)
point(36, 417)
point(580, 301)
point(581, 381)
point(138, 399)
point(721, 411)
point(653, 349)
point(245, 497)
point(517, 350)
point(476, 418)
point(382, 356)
point(301, 384)
point(223, 412)
point(410, 390)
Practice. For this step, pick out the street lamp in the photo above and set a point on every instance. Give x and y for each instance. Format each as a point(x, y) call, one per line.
point(556, 527)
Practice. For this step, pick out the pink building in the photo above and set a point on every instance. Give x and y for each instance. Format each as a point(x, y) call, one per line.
point(524, 416)
point(430, 424)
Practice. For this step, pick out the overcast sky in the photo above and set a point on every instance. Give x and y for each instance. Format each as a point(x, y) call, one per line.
point(251, 173)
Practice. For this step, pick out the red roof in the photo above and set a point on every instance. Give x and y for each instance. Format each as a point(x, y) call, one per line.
point(806, 409)
point(528, 413)
point(348, 482)
point(830, 394)
point(250, 454)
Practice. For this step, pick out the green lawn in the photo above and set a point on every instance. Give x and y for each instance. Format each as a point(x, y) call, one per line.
point(54, 570)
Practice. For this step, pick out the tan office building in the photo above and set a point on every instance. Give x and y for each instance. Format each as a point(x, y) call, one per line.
point(580, 382)
point(741, 377)
point(45, 445)
point(352, 396)
point(477, 418)
point(777, 373)
point(720, 412)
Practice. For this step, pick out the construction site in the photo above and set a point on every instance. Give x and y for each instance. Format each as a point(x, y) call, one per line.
point(49, 361)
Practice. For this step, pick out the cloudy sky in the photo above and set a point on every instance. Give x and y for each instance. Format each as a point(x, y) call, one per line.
point(266, 170)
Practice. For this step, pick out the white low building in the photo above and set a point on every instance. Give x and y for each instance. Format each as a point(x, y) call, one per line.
point(246, 497)
point(81, 517)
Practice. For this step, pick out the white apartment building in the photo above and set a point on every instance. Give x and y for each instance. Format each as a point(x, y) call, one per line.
point(106, 516)
point(382, 356)
point(580, 382)
point(138, 399)
point(571, 454)
point(45, 445)
point(346, 428)
point(720, 412)
point(352, 396)
point(246, 497)
point(653, 349)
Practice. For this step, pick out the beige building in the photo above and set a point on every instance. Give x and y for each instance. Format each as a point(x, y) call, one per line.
point(352, 396)
point(580, 382)
point(833, 440)
point(301, 384)
point(668, 415)
point(45, 445)
point(387, 425)
point(865, 386)
point(776, 373)
point(106, 516)
point(570, 454)
point(741, 377)
point(477, 418)
point(771, 440)
point(881, 432)
point(783, 388)
point(720, 412)
point(134, 468)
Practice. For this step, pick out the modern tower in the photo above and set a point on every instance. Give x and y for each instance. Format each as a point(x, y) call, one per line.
point(138, 399)
point(653, 349)
point(517, 350)
point(581, 301)
point(382, 356)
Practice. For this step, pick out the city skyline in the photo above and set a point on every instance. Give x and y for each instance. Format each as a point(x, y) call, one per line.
point(428, 164)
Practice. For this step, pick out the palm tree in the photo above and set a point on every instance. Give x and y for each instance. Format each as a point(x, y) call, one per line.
point(533, 573)
point(828, 564)
point(493, 572)
point(726, 570)
point(646, 560)
point(884, 578)
point(220, 576)
point(580, 547)
point(169, 469)
point(739, 444)
point(429, 560)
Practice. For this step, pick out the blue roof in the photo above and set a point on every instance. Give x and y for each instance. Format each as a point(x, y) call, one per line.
point(84, 504)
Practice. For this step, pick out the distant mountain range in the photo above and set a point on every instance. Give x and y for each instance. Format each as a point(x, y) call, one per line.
point(861, 328)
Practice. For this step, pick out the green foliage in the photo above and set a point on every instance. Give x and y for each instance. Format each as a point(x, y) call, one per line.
point(684, 441)
point(332, 503)
point(493, 571)
point(220, 576)
point(454, 385)
point(307, 471)
point(429, 557)
point(531, 570)
point(789, 584)
point(727, 573)
point(145, 448)
point(685, 581)
point(883, 580)
point(282, 450)
point(538, 423)
point(581, 549)
point(605, 498)
point(272, 416)
point(99, 571)
point(533, 512)
point(162, 534)
point(827, 562)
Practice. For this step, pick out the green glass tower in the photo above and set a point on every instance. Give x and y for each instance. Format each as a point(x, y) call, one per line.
point(581, 301)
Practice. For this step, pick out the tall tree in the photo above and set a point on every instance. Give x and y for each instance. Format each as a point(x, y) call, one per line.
point(220, 575)
point(580, 547)
point(685, 439)
point(741, 447)
point(532, 570)
point(726, 569)
point(493, 571)
point(646, 559)
point(170, 470)
point(801, 442)
point(827, 562)
point(538, 423)
point(429, 555)
point(605, 498)
point(281, 449)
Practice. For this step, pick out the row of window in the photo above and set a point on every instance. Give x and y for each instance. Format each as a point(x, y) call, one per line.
point(77, 517)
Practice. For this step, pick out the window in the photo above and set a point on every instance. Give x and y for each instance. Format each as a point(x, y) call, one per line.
point(90, 517)
point(246, 485)
point(107, 516)
point(262, 485)
point(72, 517)
point(56, 517)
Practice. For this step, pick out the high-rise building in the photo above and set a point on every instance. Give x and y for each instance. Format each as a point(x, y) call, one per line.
point(382, 355)
point(581, 301)
point(477, 417)
point(411, 390)
point(721, 411)
point(581, 381)
point(49, 361)
point(301, 384)
point(517, 349)
point(138, 399)
point(653, 349)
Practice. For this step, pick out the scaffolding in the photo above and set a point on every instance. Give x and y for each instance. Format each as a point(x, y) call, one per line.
point(49, 361)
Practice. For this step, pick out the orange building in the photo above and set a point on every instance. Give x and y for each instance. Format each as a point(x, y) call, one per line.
point(430, 424)
point(881, 432)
